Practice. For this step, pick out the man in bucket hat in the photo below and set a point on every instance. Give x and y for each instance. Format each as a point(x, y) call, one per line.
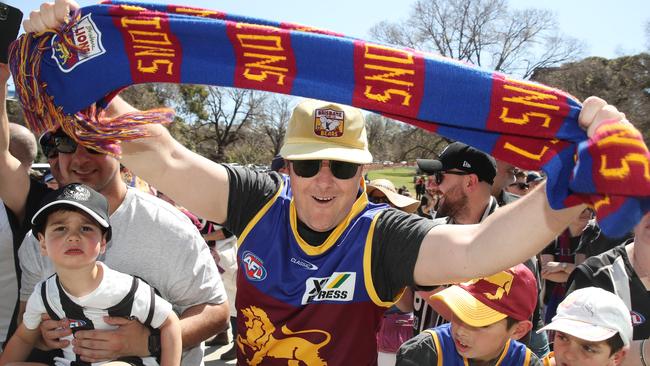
point(383, 191)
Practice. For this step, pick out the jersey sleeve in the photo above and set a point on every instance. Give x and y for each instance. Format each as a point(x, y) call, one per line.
point(149, 306)
point(395, 247)
point(33, 265)
point(249, 191)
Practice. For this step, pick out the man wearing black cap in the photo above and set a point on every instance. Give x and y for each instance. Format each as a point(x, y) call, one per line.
point(464, 176)
point(278, 165)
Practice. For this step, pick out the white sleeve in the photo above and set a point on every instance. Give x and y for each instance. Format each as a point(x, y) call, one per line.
point(194, 276)
point(142, 305)
point(31, 264)
point(34, 308)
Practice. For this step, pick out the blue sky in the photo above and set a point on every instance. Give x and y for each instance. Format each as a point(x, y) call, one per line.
point(609, 28)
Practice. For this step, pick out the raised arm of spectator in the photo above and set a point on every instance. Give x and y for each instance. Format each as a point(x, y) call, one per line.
point(452, 253)
point(15, 183)
point(170, 166)
point(159, 159)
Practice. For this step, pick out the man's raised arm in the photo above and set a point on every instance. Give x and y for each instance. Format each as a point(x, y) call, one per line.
point(14, 177)
point(514, 233)
point(162, 161)
point(158, 159)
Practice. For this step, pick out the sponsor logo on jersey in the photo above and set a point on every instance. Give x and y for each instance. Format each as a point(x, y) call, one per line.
point(303, 263)
point(253, 267)
point(337, 287)
point(77, 324)
point(637, 319)
point(88, 40)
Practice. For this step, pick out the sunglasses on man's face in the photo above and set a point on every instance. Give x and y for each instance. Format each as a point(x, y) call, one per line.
point(440, 175)
point(339, 169)
point(65, 144)
point(521, 186)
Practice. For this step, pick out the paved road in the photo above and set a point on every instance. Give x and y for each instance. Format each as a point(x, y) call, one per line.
point(212, 355)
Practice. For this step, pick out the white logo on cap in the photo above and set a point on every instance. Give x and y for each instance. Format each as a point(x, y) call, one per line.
point(77, 193)
point(466, 164)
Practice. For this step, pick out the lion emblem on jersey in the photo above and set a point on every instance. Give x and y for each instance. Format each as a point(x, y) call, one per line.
point(260, 339)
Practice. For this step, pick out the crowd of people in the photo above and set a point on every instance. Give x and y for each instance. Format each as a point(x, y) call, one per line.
point(310, 263)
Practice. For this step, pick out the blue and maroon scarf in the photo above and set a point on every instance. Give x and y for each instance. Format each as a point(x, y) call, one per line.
point(67, 77)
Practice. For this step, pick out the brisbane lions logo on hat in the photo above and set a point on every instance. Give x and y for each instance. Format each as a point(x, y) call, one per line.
point(88, 42)
point(328, 122)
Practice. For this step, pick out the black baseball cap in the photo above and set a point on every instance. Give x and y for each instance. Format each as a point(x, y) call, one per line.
point(463, 157)
point(277, 163)
point(77, 196)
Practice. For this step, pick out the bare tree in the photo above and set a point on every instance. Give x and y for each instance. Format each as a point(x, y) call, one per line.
point(484, 32)
point(218, 116)
point(390, 140)
point(273, 125)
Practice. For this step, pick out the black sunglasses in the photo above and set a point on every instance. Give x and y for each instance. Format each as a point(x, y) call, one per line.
point(309, 168)
point(440, 175)
point(520, 185)
point(65, 144)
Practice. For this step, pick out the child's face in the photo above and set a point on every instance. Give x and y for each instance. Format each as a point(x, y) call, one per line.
point(573, 351)
point(71, 239)
point(480, 343)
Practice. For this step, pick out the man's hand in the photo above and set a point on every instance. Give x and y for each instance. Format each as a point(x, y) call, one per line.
point(5, 74)
point(595, 111)
point(129, 339)
point(49, 16)
point(552, 267)
point(52, 331)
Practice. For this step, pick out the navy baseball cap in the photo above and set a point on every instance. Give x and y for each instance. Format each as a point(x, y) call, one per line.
point(77, 196)
point(463, 157)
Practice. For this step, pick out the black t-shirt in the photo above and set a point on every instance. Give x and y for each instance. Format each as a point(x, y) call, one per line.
point(595, 242)
point(19, 229)
point(396, 239)
point(613, 267)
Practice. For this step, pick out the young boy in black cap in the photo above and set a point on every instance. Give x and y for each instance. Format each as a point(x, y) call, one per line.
point(72, 227)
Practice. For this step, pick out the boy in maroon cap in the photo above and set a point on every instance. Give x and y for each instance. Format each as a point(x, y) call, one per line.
point(487, 316)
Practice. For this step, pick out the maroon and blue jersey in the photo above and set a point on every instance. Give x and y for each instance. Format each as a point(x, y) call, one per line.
point(313, 305)
point(514, 353)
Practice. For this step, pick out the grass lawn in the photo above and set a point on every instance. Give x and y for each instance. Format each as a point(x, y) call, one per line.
point(401, 176)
